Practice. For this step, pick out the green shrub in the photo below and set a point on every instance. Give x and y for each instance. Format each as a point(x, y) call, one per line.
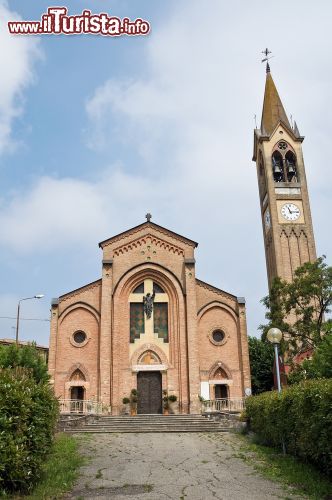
point(28, 414)
point(301, 416)
point(26, 356)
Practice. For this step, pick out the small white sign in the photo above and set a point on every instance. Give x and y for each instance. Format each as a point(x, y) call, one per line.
point(247, 391)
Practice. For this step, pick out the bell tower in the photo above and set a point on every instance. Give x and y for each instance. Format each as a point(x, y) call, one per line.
point(284, 200)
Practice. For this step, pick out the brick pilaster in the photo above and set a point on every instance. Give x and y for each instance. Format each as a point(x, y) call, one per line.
point(105, 343)
point(192, 335)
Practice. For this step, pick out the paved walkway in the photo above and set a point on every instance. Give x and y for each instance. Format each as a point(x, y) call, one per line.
point(184, 466)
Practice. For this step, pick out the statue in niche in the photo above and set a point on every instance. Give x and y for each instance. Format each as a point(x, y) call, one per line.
point(148, 304)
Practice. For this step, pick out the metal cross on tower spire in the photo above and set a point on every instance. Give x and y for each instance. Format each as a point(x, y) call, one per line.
point(148, 217)
point(266, 59)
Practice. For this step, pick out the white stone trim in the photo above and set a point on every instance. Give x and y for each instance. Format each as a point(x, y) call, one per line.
point(149, 368)
point(226, 381)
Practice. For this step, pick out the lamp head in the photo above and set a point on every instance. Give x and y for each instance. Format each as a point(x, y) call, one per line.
point(40, 296)
point(274, 335)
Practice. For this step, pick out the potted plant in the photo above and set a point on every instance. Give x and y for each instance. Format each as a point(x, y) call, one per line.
point(126, 402)
point(167, 401)
point(133, 402)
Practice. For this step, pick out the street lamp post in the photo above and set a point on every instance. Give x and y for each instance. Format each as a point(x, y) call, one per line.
point(274, 335)
point(39, 296)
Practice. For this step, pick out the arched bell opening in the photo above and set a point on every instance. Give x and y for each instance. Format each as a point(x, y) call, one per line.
point(290, 164)
point(278, 167)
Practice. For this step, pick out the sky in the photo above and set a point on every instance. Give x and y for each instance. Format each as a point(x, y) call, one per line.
point(97, 131)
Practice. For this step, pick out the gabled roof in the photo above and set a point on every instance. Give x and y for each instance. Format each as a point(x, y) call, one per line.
point(149, 225)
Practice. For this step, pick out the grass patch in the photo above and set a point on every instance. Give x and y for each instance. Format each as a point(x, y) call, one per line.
point(60, 470)
point(288, 470)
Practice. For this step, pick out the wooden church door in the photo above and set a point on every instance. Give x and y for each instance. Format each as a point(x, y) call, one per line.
point(149, 390)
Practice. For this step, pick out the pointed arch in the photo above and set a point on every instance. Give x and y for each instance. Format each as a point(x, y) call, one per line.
point(219, 365)
point(77, 367)
point(77, 375)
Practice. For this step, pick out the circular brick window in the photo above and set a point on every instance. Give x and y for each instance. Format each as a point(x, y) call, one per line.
point(217, 336)
point(79, 338)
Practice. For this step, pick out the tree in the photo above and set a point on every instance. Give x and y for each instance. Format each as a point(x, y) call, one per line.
point(320, 366)
point(26, 356)
point(299, 308)
point(261, 357)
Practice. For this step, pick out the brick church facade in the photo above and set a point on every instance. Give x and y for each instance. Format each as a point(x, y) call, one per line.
point(149, 324)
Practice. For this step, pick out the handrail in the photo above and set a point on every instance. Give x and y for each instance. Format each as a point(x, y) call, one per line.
point(223, 404)
point(81, 406)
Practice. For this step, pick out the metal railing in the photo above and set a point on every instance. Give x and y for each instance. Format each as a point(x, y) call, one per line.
point(80, 406)
point(225, 404)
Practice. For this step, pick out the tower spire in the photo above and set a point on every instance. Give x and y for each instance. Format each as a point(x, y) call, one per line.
point(273, 109)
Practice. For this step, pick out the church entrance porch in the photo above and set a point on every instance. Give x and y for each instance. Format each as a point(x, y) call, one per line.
point(77, 399)
point(149, 388)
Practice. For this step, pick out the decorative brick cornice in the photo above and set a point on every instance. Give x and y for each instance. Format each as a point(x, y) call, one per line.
point(296, 231)
point(211, 288)
point(149, 239)
point(148, 225)
point(78, 291)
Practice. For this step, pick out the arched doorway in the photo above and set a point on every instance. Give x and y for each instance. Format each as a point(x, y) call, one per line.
point(77, 393)
point(149, 389)
point(220, 391)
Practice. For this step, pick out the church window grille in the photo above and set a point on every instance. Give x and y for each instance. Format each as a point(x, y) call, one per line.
point(161, 320)
point(148, 310)
point(157, 288)
point(282, 145)
point(218, 335)
point(79, 337)
point(137, 321)
point(139, 288)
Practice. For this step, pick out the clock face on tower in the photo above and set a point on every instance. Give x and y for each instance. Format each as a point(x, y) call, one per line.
point(290, 211)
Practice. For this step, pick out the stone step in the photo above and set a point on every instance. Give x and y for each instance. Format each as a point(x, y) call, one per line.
point(166, 419)
point(148, 423)
point(150, 417)
point(146, 430)
point(157, 427)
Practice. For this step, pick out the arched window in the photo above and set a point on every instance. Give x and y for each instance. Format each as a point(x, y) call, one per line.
point(152, 323)
point(277, 167)
point(291, 170)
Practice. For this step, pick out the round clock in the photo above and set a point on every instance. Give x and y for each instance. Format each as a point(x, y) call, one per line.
point(290, 211)
point(267, 219)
